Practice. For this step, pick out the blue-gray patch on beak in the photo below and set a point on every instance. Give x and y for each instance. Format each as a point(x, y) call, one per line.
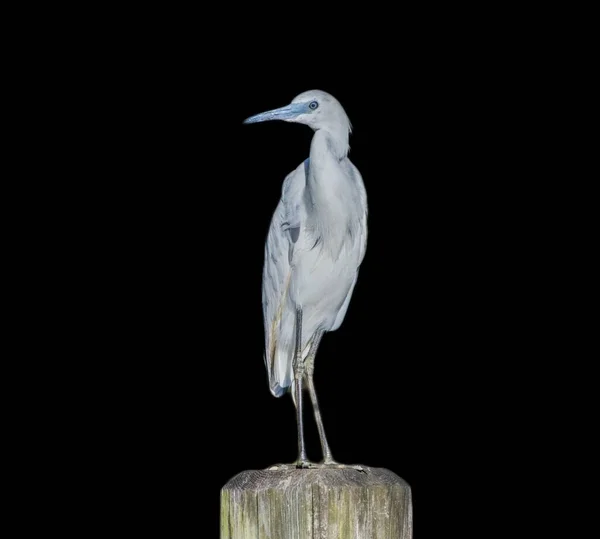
point(289, 112)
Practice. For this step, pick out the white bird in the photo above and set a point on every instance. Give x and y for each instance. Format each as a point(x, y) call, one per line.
point(315, 245)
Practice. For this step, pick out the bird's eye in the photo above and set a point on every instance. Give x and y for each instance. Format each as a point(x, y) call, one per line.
point(313, 105)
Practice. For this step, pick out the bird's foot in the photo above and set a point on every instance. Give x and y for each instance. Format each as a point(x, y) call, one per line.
point(299, 464)
point(332, 464)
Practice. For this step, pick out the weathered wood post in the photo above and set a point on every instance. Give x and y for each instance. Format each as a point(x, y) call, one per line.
point(321, 503)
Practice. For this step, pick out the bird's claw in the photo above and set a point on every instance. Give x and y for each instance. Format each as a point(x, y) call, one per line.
point(356, 467)
point(299, 464)
point(276, 467)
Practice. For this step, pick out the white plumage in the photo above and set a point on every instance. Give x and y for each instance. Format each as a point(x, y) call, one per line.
point(317, 237)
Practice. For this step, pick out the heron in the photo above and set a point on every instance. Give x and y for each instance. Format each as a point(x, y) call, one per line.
point(315, 245)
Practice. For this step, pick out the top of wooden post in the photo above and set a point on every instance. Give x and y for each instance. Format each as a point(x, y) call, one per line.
point(290, 478)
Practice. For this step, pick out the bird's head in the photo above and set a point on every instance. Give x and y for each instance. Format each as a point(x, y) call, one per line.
point(314, 108)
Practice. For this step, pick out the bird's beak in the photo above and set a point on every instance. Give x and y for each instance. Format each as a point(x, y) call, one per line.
point(287, 113)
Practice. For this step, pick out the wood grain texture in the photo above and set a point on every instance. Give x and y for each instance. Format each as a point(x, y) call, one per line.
point(316, 504)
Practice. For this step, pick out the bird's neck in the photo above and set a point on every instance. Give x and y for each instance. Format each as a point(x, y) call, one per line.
point(332, 140)
point(326, 182)
point(328, 191)
point(325, 165)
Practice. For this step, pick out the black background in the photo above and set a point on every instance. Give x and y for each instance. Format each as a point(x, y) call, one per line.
point(180, 195)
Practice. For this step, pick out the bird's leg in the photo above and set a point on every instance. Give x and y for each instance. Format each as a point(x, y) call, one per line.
point(299, 370)
point(310, 369)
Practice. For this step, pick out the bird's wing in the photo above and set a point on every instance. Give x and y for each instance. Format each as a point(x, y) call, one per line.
point(362, 193)
point(279, 320)
point(361, 239)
